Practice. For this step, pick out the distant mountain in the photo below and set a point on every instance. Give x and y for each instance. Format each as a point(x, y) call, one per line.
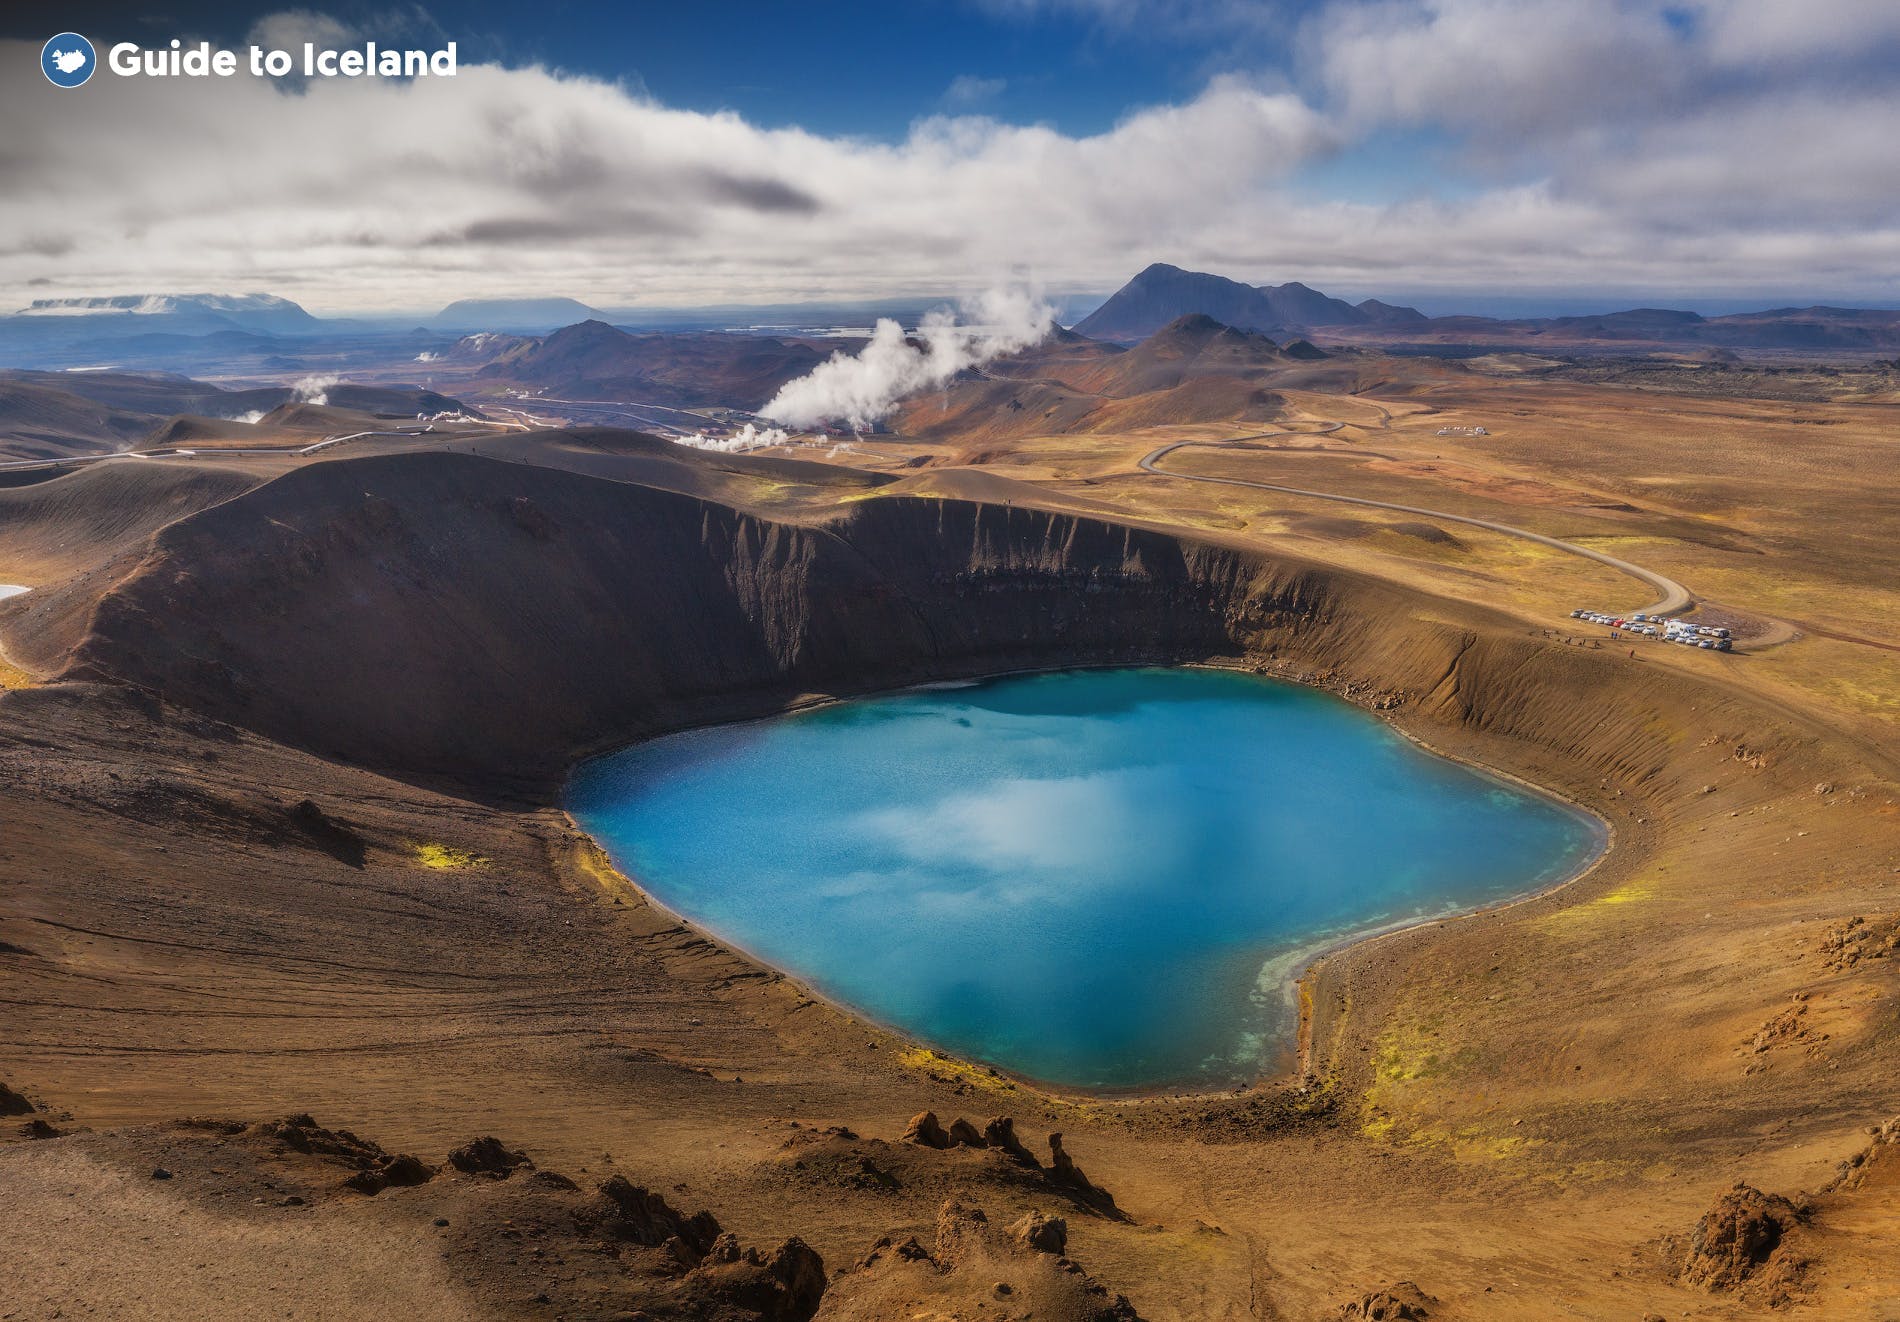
point(1186, 349)
point(513, 314)
point(1636, 324)
point(189, 314)
point(1294, 304)
point(1815, 330)
point(592, 360)
point(1389, 314)
point(1161, 294)
point(481, 347)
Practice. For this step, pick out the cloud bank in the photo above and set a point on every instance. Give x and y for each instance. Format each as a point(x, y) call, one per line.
point(1713, 146)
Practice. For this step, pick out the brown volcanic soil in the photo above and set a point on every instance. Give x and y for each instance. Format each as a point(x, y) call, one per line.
point(39, 422)
point(54, 415)
point(592, 360)
point(1194, 370)
point(282, 839)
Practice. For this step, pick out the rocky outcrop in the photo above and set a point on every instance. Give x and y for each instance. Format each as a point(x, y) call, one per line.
point(373, 1169)
point(625, 1211)
point(1401, 1301)
point(328, 834)
point(1065, 1174)
point(963, 1134)
point(1876, 1166)
point(1041, 1232)
point(785, 1285)
point(713, 1276)
point(15, 1103)
point(1746, 1244)
point(1860, 940)
point(488, 1156)
point(927, 1131)
point(531, 1243)
point(1000, 1134)
point(974, 1268)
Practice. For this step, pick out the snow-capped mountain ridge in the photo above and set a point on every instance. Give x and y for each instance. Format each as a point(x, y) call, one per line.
point(160, 305)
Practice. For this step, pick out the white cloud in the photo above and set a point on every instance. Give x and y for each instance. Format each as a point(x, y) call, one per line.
point(1502, 66)
point(967, 89)
point(1777, 32)
point(290, 29)
point(514, 181)
point(1697, 145)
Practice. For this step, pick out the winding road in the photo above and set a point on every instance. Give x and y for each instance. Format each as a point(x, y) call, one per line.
point(215, 452)
point(1675, 597)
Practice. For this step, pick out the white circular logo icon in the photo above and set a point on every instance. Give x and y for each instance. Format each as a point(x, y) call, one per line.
point(67, 60)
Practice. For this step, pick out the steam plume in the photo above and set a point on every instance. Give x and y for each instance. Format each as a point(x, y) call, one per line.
point(316, 389)
point(857, 391)
point(747, 437)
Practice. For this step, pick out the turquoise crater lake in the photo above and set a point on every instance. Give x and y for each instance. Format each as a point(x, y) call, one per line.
point(1098, 879)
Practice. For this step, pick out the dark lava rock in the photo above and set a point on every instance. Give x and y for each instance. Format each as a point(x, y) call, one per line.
point(1000, 1133)
point(625, 1210)
point(785, 1285)
point(13, 1103)
point(400, 1170)
point(328, 834)
point(487, 1156)
point(963, 1134)
point(373, 1169)
point(1065, 1174)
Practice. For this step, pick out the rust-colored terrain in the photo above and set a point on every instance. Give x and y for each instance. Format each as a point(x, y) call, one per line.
point(318, 1005)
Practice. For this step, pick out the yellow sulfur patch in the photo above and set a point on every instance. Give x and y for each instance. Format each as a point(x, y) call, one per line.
point(443, 856)
point(596, 866)
point(1630, 892)
point(923, 1058)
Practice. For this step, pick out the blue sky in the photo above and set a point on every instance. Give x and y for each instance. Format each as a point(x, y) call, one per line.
point(851, 67)
point(847, 67)
point(1453, 153)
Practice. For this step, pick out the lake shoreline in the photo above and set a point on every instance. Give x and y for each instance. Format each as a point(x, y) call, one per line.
point(1284, 1055)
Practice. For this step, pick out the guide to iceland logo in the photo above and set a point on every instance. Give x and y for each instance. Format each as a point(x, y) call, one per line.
point(67, 60)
